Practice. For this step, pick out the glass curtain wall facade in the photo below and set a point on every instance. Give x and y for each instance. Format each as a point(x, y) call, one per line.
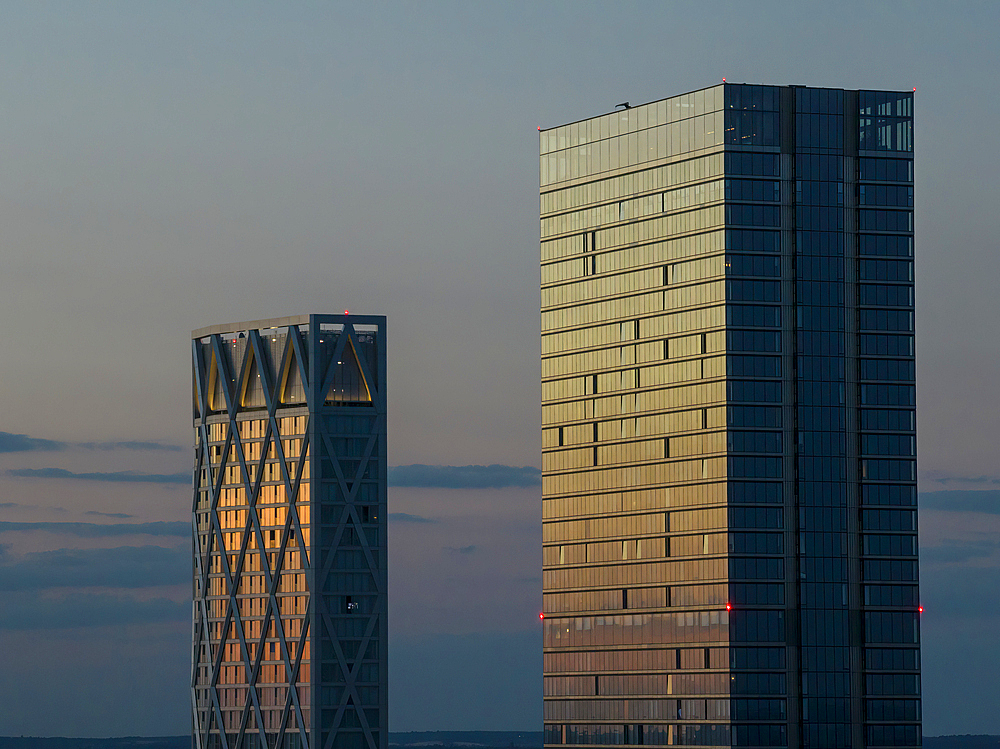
point(728, 444)
point(289, 522)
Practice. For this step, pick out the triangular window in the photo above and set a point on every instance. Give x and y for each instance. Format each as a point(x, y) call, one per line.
point(252, 395)
point(216, 387)
point(348, 385)
point(292, 390)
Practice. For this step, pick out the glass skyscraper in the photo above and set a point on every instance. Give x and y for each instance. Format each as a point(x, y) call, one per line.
point(729, 459)
point(289, 631)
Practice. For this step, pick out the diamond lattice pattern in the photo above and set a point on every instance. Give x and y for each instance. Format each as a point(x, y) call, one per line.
point(258, 592)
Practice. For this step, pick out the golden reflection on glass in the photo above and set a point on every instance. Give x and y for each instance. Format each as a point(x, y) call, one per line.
point(635, 551)
point(239, 525)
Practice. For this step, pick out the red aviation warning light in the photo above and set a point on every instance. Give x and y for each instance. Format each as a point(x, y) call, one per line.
point(920, 609)
point(729, 606)
point(541, 616)
point(346, 312)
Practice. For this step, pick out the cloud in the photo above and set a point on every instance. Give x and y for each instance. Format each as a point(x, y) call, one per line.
point(122, 567)
point(956, 500)
point(405, 517)
point(121, 515)
point(102, 530)
point(130, 445)
point(7, 505)
point(127, 476)
point(952, 552)
point(19, 443)
point(963, 479)
point(464, 477)
point(23, 611)
point(444, 477)
point(461, 549)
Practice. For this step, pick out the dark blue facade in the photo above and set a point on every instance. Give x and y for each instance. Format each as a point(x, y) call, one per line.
point(822, 467)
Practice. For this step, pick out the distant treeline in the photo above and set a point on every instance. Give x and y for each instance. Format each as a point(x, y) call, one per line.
point(445, 739)
point(528, 739)
point(491, 739)
point(127, 742)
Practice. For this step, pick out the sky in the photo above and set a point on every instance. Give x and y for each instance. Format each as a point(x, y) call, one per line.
point(168, 166)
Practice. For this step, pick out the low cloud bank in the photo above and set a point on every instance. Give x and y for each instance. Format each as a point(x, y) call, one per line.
point(116, 476)
point(122, 567)
point(20, 443)
point(130, 445)
point(405, 517)
point(464, 477)
point(102, 530)
point(23, 611)
point(958, 500)
point(418, 475)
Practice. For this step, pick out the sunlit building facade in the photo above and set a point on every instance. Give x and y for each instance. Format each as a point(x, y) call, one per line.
point(729, 460)
point(289, 521)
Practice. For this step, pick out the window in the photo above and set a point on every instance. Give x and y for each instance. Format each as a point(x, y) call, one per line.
point(752, 215)
point(753, 340)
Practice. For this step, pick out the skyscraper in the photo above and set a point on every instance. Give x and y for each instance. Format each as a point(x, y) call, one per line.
point(729, 470)
point(289, 636)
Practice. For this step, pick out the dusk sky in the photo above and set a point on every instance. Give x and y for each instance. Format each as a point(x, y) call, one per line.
point(168, 166)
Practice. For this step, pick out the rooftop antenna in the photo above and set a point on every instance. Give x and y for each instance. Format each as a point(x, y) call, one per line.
point(623, 104)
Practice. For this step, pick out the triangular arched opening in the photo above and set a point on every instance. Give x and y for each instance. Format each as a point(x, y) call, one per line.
point(292, 389)
point(348, 385)
point(216, 385)
point(252, 390)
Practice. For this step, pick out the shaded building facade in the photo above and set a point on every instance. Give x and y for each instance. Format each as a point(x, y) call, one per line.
point(289, 522)
point(728, 426)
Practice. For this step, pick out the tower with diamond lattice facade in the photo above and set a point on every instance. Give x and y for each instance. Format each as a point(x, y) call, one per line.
point(289, 622)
